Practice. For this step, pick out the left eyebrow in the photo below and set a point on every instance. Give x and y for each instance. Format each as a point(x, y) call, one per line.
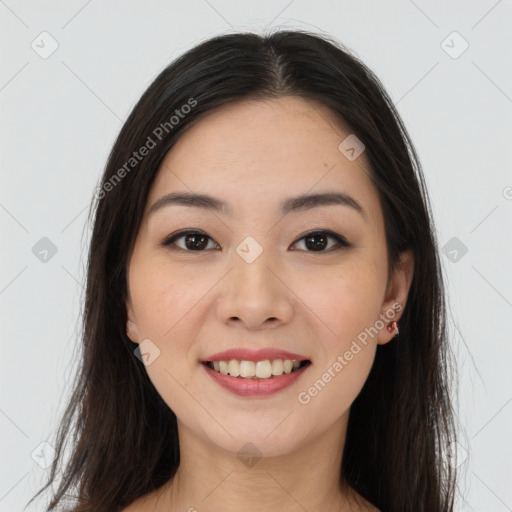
point(309, 201)
point(293, 204)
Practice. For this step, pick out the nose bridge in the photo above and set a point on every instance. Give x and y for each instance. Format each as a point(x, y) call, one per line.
point(253, 293)
point(251, 268)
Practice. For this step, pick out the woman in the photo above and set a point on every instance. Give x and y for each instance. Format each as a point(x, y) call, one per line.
point(264, 325)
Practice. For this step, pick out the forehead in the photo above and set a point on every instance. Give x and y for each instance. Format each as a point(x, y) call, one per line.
point(259, 151)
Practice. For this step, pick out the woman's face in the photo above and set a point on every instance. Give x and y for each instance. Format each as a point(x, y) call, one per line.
point(251, 279)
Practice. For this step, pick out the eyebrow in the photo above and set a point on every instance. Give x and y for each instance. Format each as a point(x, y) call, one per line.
point(293, 204)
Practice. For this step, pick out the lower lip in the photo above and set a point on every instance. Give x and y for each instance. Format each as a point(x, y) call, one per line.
point(254, 387)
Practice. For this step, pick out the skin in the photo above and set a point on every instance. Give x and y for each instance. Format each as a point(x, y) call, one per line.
point(253, 155)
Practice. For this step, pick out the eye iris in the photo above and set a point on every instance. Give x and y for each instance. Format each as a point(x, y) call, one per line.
point(321, 242)
point(193, 237)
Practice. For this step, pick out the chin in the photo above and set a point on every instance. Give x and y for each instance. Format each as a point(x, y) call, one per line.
point(254, 441)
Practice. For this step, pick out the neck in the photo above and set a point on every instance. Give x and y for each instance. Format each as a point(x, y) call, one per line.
point(307, 478)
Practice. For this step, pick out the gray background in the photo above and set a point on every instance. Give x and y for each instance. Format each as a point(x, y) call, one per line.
point(60, 115)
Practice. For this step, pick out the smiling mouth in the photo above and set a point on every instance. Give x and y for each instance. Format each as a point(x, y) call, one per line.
point(256, 370)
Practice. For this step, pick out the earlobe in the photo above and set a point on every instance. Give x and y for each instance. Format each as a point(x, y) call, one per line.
point(131, 327)
point(396, 297)
point(132, 331)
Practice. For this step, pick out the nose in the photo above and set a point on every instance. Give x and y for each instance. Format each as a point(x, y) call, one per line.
point(254, 295)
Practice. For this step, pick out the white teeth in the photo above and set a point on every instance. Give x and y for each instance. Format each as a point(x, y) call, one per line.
point(263, 369)
point(277, 367)
point(247, 369)
point(234, 368)
point(223, 367)
point(259, 369)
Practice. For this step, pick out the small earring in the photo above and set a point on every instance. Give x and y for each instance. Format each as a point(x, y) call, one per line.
point(393, 327)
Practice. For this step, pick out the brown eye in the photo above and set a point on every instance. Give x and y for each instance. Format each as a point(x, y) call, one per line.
point(318, 241)
point(193, 240)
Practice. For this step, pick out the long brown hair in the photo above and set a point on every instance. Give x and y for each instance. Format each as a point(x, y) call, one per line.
point(124, 437)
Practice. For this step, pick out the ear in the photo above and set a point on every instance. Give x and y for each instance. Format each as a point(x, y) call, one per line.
point(396, 294)
point(131, 325)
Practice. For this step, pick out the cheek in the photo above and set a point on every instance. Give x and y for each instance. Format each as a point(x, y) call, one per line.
point(162, 297)
point(332, 389)
point(163, 304)
point(346, 305)
point(346, 351)
point(347, 300)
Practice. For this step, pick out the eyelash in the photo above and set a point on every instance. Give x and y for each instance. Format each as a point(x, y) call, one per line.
point(341, 242)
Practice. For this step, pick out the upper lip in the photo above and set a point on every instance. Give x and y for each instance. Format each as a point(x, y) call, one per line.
point(244, 354)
